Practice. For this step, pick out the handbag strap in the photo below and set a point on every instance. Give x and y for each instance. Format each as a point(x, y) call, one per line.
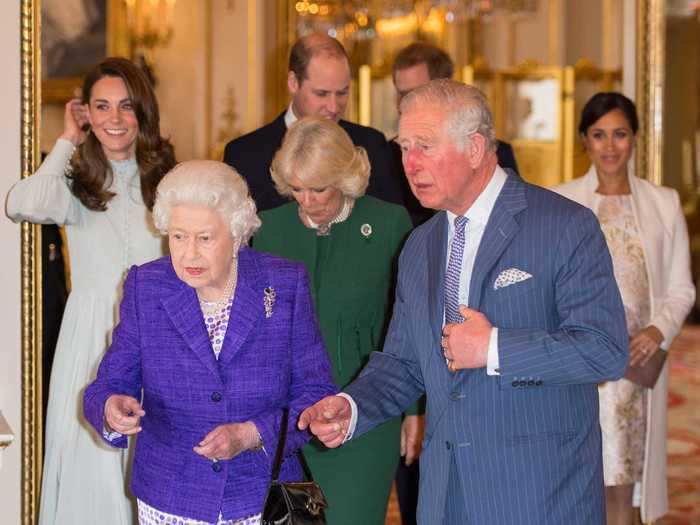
point(280, 445)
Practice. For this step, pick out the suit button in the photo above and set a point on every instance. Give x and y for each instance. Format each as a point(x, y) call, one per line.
point(515, 383)
point(530, 382)
point(216, 397)
point(522, 382)
point(448, 446)
point(538, 382)
point(216, 467)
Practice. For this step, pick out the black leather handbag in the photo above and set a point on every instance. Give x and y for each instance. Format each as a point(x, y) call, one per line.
point(292, 503)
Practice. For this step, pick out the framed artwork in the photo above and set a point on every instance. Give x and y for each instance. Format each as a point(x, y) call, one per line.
point(76, 34)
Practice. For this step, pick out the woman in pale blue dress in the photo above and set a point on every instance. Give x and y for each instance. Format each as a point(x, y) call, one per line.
point(99, 182)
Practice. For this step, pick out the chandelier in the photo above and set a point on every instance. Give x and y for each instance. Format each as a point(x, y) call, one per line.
point(465, 9)
point(355, 20)
point(150, 23)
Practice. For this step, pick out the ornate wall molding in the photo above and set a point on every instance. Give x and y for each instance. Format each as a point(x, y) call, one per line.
point(32, 432)
point(651, 27)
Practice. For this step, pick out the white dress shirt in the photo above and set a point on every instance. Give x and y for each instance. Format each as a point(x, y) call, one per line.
point(478, 215)
point(289, 117)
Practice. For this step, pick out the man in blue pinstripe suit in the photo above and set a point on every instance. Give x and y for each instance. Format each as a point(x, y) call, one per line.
point(512, 432)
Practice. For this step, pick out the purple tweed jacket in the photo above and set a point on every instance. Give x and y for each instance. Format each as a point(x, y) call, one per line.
point(160, 350)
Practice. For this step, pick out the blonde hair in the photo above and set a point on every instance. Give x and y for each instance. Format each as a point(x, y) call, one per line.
point(320, 153)
point(211, 184)
point(465, 106)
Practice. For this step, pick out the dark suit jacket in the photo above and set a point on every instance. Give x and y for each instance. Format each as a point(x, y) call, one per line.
point(251, 155)
point(419, 214)
point(270, 358)
point(524, 446)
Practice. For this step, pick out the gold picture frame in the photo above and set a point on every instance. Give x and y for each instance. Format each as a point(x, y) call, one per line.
point(60, 89)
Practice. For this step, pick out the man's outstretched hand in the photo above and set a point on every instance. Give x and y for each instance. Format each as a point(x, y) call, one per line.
point(328, 420)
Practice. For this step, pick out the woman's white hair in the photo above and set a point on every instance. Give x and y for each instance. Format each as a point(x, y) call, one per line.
point(211, 184)
point(466, 108)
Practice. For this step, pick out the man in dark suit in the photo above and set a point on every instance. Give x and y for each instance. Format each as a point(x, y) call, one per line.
point(319, 83)
point(416, 65)
point(507, 317)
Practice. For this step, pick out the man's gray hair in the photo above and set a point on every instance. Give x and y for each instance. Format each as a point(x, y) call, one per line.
point(210, 184)
point(466, 108)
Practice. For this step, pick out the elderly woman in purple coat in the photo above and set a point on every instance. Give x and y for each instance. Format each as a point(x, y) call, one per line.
point(213, 342)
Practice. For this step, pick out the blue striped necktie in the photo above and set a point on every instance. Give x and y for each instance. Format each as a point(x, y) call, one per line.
point(454, 268)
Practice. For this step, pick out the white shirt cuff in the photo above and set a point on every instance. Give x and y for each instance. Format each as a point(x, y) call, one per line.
point(492, 363)
point(353, 417)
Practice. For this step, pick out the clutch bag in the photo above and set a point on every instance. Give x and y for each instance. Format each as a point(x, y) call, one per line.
point(648, 374)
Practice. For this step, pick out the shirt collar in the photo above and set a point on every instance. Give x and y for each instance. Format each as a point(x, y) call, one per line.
point(289, 117)
point(480, 211)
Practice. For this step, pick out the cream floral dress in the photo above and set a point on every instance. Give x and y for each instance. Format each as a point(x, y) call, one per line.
point(623, 403)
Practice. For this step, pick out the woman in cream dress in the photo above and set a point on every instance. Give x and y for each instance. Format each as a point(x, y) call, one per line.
point(648, 241)
point(101, 186)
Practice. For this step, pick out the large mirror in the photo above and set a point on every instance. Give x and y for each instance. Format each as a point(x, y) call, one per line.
point(681, 114)
point(221, 90)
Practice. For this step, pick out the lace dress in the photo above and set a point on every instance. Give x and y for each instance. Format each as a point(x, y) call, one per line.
point(623, 403)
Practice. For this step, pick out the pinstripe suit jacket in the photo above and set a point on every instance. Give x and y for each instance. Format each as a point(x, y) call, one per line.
point(525, 445)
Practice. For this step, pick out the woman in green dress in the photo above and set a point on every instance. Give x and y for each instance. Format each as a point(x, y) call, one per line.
point(349, 244)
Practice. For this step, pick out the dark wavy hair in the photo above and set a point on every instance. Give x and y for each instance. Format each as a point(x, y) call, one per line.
point(91, 171)
point(603, 103)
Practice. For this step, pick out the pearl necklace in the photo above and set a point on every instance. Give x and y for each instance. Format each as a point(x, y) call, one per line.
point(210, 308)
point(324, 229)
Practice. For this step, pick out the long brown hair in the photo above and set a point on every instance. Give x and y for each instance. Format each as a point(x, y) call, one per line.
point(91, 171)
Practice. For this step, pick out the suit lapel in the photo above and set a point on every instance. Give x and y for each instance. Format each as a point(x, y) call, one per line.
point(247, 306)
point(437, 248)
point(278, 125)
point(183, 309)
point(499, 232)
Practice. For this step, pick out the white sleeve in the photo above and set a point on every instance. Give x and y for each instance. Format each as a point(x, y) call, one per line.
point(353, 417)
point(679, 294)
point(492, 361)
point(45, 197)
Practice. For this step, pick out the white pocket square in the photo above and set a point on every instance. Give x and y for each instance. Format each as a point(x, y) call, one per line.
point(510, 276)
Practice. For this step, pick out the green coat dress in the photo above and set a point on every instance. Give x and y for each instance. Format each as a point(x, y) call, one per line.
point(352, 272)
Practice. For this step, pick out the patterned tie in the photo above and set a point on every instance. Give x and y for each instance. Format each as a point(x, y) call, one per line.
point(454, 268)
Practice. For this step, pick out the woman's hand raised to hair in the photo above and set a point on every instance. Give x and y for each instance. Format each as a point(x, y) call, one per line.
point(75, 119)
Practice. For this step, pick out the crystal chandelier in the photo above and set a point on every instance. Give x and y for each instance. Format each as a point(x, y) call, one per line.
point(467, 9)
point(354, 20)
